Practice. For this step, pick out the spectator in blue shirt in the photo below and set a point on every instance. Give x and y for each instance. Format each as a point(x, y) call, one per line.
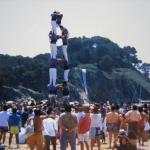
point(14, 121)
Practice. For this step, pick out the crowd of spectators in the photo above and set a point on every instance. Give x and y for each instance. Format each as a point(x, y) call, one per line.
point(83, 124)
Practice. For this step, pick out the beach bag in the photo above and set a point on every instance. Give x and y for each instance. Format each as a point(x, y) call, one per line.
point(29, 131)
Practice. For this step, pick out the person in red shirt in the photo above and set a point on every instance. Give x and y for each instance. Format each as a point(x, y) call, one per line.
point(83, 128)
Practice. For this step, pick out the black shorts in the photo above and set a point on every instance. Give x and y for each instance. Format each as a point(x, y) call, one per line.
point(4, 129)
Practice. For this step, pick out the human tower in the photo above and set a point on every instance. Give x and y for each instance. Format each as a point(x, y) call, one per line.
point(53, 37)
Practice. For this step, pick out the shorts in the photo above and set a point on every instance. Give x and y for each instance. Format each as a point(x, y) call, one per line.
point(51, 95)
point(35, 140)
point(94, 135)
point(14, 129)
point(133, 126)
point(111, 127)
point(4, 129)
point(83, 137)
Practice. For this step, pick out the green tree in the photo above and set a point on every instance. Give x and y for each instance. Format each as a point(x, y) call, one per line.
point(105, 63)
point(101, 51)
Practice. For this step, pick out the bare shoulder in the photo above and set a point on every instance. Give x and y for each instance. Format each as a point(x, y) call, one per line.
point(145, 115)
point(116, 114)
point(43, 117)
point(108, 114)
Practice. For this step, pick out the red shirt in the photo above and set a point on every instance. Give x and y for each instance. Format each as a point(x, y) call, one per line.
point(85, 123)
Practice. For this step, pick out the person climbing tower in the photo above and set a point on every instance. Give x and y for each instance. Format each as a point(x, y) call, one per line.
point(53, 40)
point(65, 93)
point(59, 18)
point(53, 21)
point(65, 32)
point(64, 46)
point(52, 70)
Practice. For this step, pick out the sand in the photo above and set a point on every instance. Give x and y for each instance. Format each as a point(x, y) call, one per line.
point(103, 146)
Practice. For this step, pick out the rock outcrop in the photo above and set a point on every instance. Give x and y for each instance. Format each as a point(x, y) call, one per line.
point(117, 86)
point(20, 94)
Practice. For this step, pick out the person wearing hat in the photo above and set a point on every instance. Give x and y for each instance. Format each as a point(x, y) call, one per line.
point(123, 141)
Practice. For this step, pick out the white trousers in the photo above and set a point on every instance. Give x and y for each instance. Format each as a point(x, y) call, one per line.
point(66, 72)
point(68, 35)
point(64, 98)
point(53, 48)
point(54, 26)
point(52, 75)
point(58, 25)
point(51, 95)
point(64, 47)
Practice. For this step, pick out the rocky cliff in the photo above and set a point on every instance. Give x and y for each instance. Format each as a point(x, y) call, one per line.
point(116, 86)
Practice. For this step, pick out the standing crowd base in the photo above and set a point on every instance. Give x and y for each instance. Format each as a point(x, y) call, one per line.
point(76, 122)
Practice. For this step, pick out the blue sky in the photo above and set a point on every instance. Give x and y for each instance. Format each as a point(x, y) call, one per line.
point(25, 24)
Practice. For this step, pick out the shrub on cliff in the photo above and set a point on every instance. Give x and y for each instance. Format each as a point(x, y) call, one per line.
point(105, 63)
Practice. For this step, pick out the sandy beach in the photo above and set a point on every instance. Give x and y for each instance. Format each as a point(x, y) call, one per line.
point(103, 146)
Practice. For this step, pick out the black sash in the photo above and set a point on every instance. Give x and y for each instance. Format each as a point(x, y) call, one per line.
point(54, 19)
point(53, 41)
point(65, 93)
point(66, 67)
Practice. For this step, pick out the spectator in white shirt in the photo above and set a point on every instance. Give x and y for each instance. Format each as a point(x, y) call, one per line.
point(96, 127)
point(50, 132)
point(4, 116)
point(80, 113)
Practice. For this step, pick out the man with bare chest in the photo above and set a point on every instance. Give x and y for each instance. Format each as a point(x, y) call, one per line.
point(133, 117)
point(37, 138)
point(111, 123)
